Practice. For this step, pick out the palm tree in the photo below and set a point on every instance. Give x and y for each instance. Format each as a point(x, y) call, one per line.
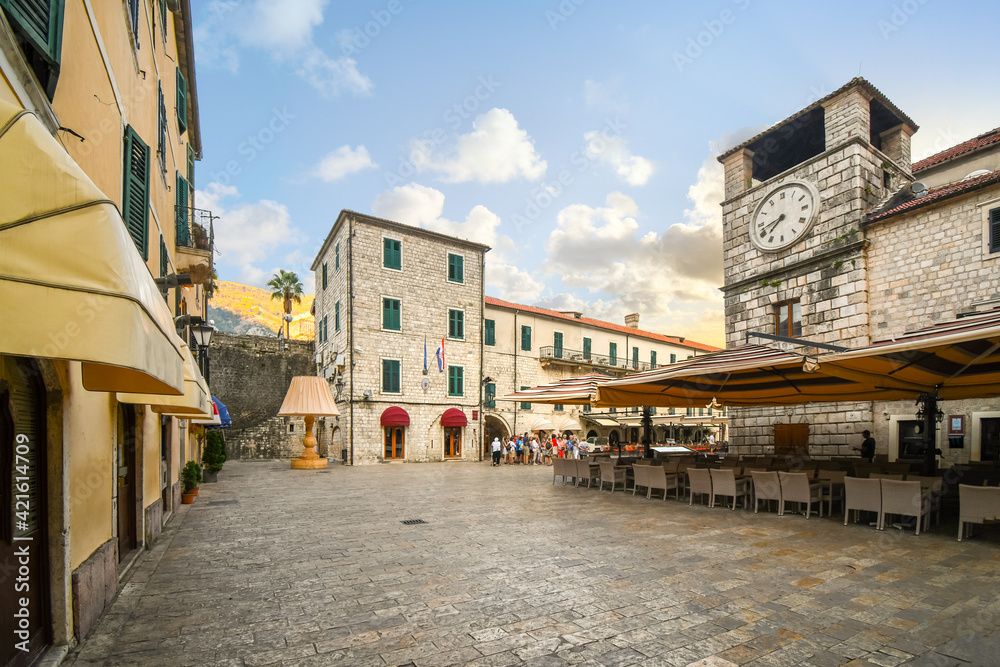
point(286, 287)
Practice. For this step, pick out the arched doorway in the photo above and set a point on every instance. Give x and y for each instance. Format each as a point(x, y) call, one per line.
point(613, 438)
point(493, 427)
point(24, 517)
point(591, 434)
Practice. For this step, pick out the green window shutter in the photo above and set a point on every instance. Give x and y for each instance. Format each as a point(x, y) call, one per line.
point(526, 338)
point(995, 230)
point(336, 258)
point(557, 407)
point(326, 329)
point(392, 254)
point(182, 223)
point(324, 275)
point(456, 268)
point(489, 332)
point(673, 358)
point(161, 128)
point(491, 395)
point(613, 353)
point(525, 406)
point(190, 165)
point(652, 358)
point(390, 376)
point(163, 20)
point(456, 324)
point(135, 208)
point(586, 408)
point(456, 384)
point(390, 315)
point(182, 102)
point(336, 317)
point(164, 258)
point(586, 348)
point(557, 344)
point(635, 358)
point(40, 22)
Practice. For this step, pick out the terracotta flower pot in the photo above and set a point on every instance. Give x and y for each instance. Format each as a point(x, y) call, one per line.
point(194, 491)
point(187, 498)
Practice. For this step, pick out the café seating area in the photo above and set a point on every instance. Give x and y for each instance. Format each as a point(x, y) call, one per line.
point(888, 494)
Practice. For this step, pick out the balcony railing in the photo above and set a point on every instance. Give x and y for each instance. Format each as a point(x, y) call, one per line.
point(579, 358)
point(194, 227)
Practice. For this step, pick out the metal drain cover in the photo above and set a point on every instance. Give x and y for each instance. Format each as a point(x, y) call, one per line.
point(224, 502)
point(410, 522)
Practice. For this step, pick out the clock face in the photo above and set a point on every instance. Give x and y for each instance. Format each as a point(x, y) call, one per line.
point(784, 216)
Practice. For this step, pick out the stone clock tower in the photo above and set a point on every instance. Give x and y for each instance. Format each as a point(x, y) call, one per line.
point(794, 252)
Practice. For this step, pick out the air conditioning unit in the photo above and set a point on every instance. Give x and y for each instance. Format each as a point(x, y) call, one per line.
point(329, 372)
point(340, 361)
point(367, 394)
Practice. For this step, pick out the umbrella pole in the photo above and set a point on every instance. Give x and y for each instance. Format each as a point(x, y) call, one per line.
point(928, 410)
point(647, 432)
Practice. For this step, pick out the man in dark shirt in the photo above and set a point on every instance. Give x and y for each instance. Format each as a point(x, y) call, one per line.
point(867, 447)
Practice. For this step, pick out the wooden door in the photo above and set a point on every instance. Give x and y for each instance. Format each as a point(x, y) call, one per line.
point(452, 441)
point(989, 445)
point(23, 540)
point(791, 440)
point(394, 441)
point(126, 481)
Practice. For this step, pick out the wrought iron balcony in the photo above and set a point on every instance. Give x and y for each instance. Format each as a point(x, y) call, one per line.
point(578, 358)
point(194, 228)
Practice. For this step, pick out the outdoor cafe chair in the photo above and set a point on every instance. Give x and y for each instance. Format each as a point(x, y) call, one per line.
point(862, 495)
point(730, 462)
point(935, 484)
point(976, 504)
point(896, 468)
point(886, 475)
point(832, 483)
point(905, 499)
point(640, 477)
point(724, 483)
point(657, 478)
point(670, 466)
point(586, 470)
point(564, 468)
point(700, 482)
point(613, 475)
point(796, 488)
point(864, 470)
point(765, 487)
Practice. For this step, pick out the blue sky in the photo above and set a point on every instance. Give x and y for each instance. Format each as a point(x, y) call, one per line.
point(575, 137)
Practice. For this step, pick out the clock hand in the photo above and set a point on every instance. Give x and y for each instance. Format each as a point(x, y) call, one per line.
point(775, 223)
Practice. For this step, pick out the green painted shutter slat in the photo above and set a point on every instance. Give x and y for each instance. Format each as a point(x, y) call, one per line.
point(526, 338)
point(525, 406)
point(652, 359)
point(586, 348)
point(995, 230)
point(40, 21)
point(181, 222)
point(161, 128)
point(324, 276)
point(613, 353)
point(557, 343)
point(182, 94)
point(490, 332)
point(491, 395)
point(190, 164)
point(392, 254)
point(135, 207)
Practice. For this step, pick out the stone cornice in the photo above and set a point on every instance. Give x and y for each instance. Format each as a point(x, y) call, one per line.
point(797, 268)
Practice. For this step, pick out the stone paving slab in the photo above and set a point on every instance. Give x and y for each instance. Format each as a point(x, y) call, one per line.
point(317, 568)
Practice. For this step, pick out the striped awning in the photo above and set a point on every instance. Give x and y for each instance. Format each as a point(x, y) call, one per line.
point(578, 390)
point(195, 403)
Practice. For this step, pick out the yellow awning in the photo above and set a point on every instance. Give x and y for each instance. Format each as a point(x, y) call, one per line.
point(194, 403)
point(71, 282)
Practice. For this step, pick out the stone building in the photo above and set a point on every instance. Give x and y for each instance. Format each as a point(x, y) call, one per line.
point(829, 237)
point(399, 316)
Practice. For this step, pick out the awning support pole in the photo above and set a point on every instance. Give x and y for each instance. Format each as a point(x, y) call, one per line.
point(928, 409)
point(647, 432)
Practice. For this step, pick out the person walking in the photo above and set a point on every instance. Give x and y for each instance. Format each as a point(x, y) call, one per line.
point(496, 452)
point(867, 447)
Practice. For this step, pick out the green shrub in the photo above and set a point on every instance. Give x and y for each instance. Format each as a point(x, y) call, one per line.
point(190, 476)
point(215, 452)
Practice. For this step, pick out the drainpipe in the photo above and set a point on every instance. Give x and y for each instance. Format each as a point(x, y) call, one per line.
point(350, 329)
point(482, 343)
point(513, 427)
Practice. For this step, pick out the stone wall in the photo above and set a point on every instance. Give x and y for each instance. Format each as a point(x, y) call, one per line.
point(250, 375)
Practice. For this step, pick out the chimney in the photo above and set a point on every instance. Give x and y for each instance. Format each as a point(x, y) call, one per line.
point(632, 321)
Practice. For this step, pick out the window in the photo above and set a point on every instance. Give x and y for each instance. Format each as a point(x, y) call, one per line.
point(491, 395)
point(456, 268)
point(557, 407)
point(133, 13)
point(190, 166)
point(182, 104)
point(390, 376)
point(525, 406)
point(390, 314)
point(995, 230)
point(671, 411)
point(456, 324)
point(586, 408)
point(452, 441)
point(613, 354)
point(324, 276)
point(635, 358)
point(135, 208)
point(612, 409)
point(673, 358)
point(161, 128)
point(392, 254)
point(163, 20)
point(164, 267)
point(456, 381)
point(489, 332)
point(39, 23)
point(336, 257)
point(788, 319)
point(652, 358)
point(326, 329)
point(557, 341)
point(394, 442)
point(526, 338)
point(586, 348)
point(690, 412)
point(182, 225)
point(336, 316)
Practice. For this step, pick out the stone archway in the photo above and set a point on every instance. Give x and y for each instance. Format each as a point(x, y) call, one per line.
point(493, 427)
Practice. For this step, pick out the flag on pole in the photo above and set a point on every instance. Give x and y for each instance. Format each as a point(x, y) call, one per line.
point(440, 357)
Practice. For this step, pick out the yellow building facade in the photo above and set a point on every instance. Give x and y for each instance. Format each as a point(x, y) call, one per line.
point(103, 270)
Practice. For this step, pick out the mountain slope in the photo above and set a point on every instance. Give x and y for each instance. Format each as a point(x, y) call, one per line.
point(243, 309)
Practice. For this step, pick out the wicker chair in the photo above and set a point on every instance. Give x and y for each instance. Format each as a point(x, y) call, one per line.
point(657, 478)
point(560, 469)
point(796, 488)
point(699, 482)
point(640, 477)
point(834, 490)
point(612, 475)
point(905, 499)
point(977, 504)
point(898, 477)
point(724, 483)
point(586, 470)
point(765, 487)
point(862, 495)
point(936, 485)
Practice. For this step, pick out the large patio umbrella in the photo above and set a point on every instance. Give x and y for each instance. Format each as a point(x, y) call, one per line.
point(578, 390)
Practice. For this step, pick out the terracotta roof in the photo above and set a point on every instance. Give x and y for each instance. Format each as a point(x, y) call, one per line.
point(673, 340)
point(935, 195)
point(856, 81)
point(985, 139)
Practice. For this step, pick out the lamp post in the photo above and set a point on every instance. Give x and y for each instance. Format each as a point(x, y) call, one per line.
point(202, 334)
point(309, 397)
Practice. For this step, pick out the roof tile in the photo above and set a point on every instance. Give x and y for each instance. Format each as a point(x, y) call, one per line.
point(985, 139)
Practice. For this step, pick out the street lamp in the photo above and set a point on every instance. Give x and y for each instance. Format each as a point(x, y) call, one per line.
point(202, 334)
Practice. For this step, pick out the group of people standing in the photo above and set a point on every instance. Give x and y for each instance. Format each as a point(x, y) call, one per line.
point(527, 449)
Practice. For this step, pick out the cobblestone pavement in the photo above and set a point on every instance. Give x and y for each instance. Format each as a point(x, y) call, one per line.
point(273, 566)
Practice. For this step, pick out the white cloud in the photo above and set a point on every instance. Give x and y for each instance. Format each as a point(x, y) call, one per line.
point(611, 150)
point(496, 151)
point(246, 233)
point(605, 96)
point(343, 161)
point(283, 30)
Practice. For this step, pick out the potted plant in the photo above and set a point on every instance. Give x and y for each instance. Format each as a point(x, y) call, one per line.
point(214, 455)
point(190, 477)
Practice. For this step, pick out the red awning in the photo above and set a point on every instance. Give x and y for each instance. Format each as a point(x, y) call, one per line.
point(395, 416)
point(454, 417)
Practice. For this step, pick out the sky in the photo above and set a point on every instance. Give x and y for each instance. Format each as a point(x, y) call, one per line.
point(577, 138)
